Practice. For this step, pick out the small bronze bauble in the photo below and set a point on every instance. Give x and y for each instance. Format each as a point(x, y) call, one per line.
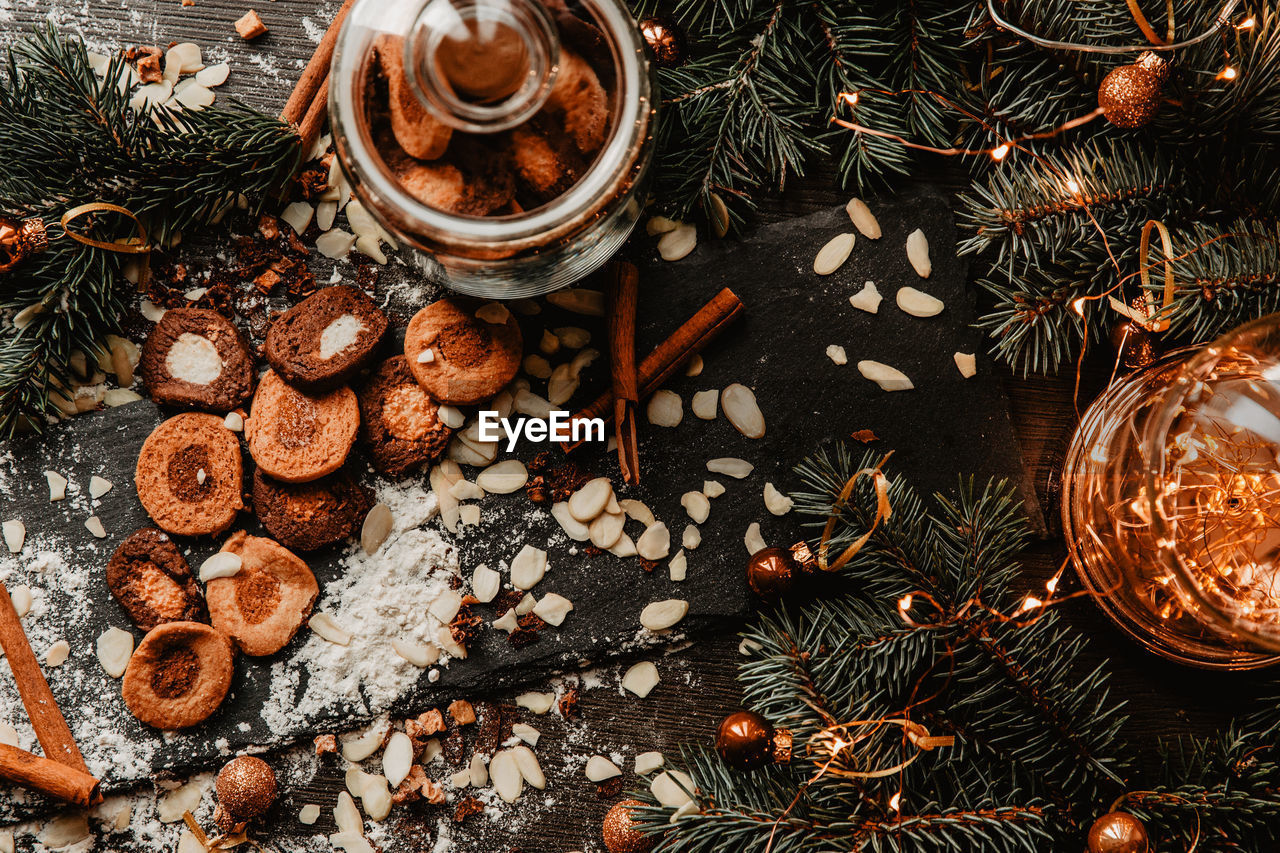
point(20, 240)
point(1118, 832)
point(620, 833)
point(1135, 346)
point(772, 573)
point(246, 788)
point(665, 40)
point(1130, 95)
point(745, 740)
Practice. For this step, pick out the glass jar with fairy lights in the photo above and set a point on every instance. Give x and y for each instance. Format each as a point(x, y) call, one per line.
point(1171, 501)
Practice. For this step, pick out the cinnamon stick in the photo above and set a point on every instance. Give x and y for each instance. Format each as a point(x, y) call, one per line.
point(42, 709)
point(50, 777)
point(313, 121)
point(670, 355)
point(623, 293)
point(316, 73)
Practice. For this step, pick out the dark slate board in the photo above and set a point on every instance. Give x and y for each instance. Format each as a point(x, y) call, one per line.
point(778, 348)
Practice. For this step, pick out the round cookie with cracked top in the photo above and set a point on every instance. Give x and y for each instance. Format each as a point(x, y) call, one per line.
point(190, 475)
point(297, 437)
point(196, 358)
point(264, 604)
point(399, 421)
point(150, 578)
point(179, 675)
point(326, 339)
point(307, 516)
point(460, 354)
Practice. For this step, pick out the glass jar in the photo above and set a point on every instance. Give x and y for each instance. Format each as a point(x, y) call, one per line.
point(509, 139)
point(1171, 501)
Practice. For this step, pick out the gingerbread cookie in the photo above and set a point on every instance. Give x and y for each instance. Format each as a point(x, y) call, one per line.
point(401, 425)
point(189, 475)
point(178, 676)
point(297, 437)
point(150, 578)
point(195, 358)
point(463, 355)
point(264, 604)
point(307, 516)
point(417, 131)
point(326, 339)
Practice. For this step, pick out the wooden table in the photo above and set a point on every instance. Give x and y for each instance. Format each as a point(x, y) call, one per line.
point(698, 686)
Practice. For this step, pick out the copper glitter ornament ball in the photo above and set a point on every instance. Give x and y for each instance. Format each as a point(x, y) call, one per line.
point(665, 39)
point(19, 240)
point(1118, 832)
point(620, 833)
point(1130, 95)
point(745, 740)
point(772, 573)
point(246, 787)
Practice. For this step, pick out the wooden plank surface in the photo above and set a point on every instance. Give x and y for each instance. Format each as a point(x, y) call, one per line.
point(698, 683)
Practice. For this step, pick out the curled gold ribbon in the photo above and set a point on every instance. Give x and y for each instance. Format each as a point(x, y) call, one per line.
point(140, 245)
point(914, 732)
point(1157, 322)
point(883, 511)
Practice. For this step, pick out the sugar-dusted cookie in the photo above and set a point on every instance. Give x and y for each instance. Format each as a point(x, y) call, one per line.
point(307, 516)
point(326, 339)
point(399, 421)
point(189, 475)
point(195, 358)
point(297, 437)
point(179, 675)
point(461, 354)
point(150, 578)
point(264, 604)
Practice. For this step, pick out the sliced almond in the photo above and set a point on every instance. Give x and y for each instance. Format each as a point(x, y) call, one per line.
point(691, 538)
point(661, 615)
point(427, 356)
point(624, 547)
point(325, 627)
point(505, 477)
point(326, 213)
point(590, 500)
point(678, 242)
point(507, 622)
point(579, 301)
point(529, 403)
point(537, 366)
point(694, 367)
point(606, 529)
point(696, 505)
point(553, 609)
point(397, 759)
point(120, 397)
point(654, 543)
point(863, 219)
point(837, 354)
point(730, 467)
point(918, 253)
point(740, 408)
point(753, 539)
point(307, 815)
point(574, 529)
point(347, 816)
point(223, 564)
point(538, 703)
point(678, 568)
point(549, 344)
point(114, 648)
point(638, 511)
point(868, 299)
point(641, 678)
point(658, 225)
point(775, 501)
point(833, 255)
point(58, 653)
point(213, 75)
point(359, 747)
point(445, 606)
point(451, 416)
point(479, 771)
point(562, 385)
point(493, 313)
point(485, 584)
point(573, 337)
point(234, 421)
point(600, 769)
point(415, 653)
point(335, 243)
point(665, 409)
point(705, 403)
point(21, 597)
point(966, 363)
point(528, 567)
point(57, 485)
point(94, 525)
point(376, 528)
point(888, 378)
point(442, 478)
point(917, 303)
point(465, 490)
point(527, 762)
point(526, 733)
point(712, 488)
point(647, 762)
point(672, 788)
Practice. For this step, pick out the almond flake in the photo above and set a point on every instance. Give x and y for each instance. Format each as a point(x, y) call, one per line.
point(918, 253)
point(753, 540)
point(553, 609)
point(528, 567)
point(58, 653)
point(678, 568)
point(641, 678)
point(538, 703)
point(21, 596)
point(868, 299)
point(966, 363)
point(419, 655)
point(445, 606)
point(57, 485)
point(712, 488)
point(507, 621)
point(526, 733)
point(359, 747)
point(98, 486)
point(672, 788)
point(647, 762)
point(624, 547)
point(94, 525)
point(397, 759)
point(537, 366)
point(863, 219)
point(503, 478)
point(661, 615)
point(223, 564)
point(654, 543)
point(695, 365)
point(888, 378)
point(493, 313)
point(775, 501)
point(326, 628)
point(114, 648)
point(376, 528)
point(691, 538)
point(638, 511)
point(479, 771)
point(234, 421)
point(833, 255)
point(696, 505)
point(485, 584)
point(572, 337)
point(561, 385)
point(427, 356)
point(606, 529)
point(917, 303)
point(335, 243)
point(705, 403)
point(574, 529)
point(579, 301)
point(658, 225)
point(837, 354)
point(740, 408)
point(678, 242)
point(528, 764)
point(213, 75)
point(450, 416)
point(665, 409)
point(600, 769)
point(308, 815)
point(590, 500)
point(730, 467)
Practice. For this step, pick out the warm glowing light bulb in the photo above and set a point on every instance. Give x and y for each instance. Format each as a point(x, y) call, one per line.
point(1077, 305)
point(1051, 584)
point(999, 152)
point(1030, 602)
point(1073, 185)
point(1247, 24)
point(894, 801)
point(1228, 73)
point(850, 98)
point(904, 603)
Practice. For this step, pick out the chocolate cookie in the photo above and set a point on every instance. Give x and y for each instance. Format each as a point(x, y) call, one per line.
point(195, 358)
point(326, 339)
point(307, 516)
point(400, 423)
point(462, 355)
point(153, 583)
point(178, 676)
point(297, 437)
point(189, 475)
point(264, 604)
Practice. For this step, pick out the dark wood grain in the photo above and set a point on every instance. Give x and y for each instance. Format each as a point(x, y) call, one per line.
point(698, 685)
